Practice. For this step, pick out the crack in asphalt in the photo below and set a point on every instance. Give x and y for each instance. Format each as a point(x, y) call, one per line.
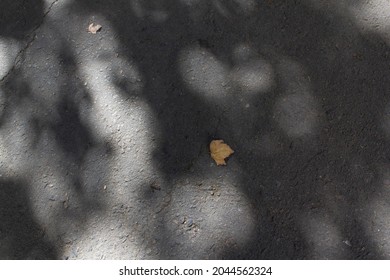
point(19, 57)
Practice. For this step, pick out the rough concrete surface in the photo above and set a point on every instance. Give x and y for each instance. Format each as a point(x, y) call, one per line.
point(104, 137)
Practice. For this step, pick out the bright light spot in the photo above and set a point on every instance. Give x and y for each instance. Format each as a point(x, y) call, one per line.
point(375, 213)
point(203, 72)
point(297, 111)
point(370, 16)
point(103, 238)
point(251, 73)
point(374, 15)
point(253, 77)
point(108, 103)
point(296, 114)
point(221, 8)
point(215, 223)
point(16, 138)
point(8, 53)
point(159, 16)
point(137, 8)
point(5, 61)
point(128, 126)
point(244, 53)
point(322, 236)
point(377, 224)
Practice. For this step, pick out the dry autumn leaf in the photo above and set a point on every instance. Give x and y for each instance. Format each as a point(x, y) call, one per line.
point(220, 151)
point(92, 28)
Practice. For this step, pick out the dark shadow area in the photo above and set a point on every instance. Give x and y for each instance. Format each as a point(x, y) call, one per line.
point(20, 235)
point(347, 72)
point(18, 18)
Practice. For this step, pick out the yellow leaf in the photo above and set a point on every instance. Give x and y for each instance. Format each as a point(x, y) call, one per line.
point(220, 151)
point(93, 28)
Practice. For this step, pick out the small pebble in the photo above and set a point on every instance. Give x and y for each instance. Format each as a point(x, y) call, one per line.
point(347, 243)
point(190, 222)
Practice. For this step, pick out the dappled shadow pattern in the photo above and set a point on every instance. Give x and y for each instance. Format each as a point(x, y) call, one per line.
point(312, 174)
point(49, 138)
point(309, 138)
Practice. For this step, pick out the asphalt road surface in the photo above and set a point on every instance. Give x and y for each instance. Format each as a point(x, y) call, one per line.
point(104, 138)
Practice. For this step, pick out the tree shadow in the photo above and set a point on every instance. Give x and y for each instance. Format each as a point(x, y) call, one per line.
point(21, 237)
point(308, 147)
point(55, 141)
point(17, 18)
point(311, 175)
